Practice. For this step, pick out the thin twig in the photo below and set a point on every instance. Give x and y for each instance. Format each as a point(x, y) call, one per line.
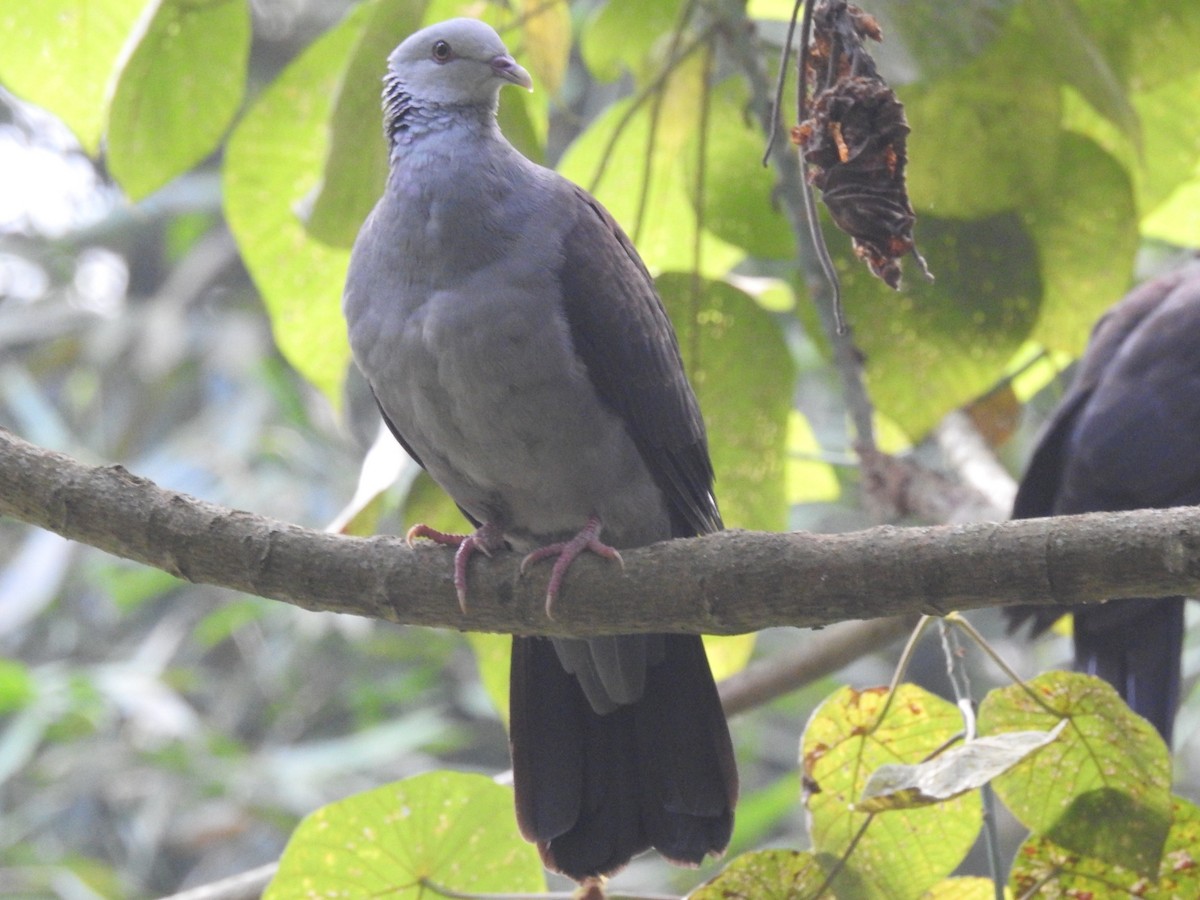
point(786, 671)
point(775, 127)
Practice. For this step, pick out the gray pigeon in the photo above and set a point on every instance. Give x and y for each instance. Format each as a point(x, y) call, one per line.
point(518, 350)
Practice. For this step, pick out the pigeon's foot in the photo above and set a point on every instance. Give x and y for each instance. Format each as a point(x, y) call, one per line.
point(486, 539)
point(588, 539)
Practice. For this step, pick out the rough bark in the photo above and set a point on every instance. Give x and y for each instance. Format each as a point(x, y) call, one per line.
point(727, 583)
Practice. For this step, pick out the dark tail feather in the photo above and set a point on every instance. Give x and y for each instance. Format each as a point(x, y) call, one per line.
point(1135, 646)
point(594, 790)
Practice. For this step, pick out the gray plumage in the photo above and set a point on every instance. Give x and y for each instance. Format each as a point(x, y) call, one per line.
point(518, 350)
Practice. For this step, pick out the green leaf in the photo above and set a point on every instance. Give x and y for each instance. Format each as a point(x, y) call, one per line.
point(982, 135)
point(1147, 41)
point(493, 655)
point(356, 164)
point(905, 851)
point(622, 33)
point(1072, 53)
point(178, 92)
point(1057, 872)
point(966, 767)
point(273, 163)
point(953, 336)
point(939, 41)
point(439, 830)
point(766, 875)
point(962, 889)
point(1169, 176)
point(728, 654)
point(809, 480)
point(738, 203)
point(17, 688)
point(1087, 238)
point(62, 55)
point(546, 28)
point(1103, 788)
point(743, 375)
point(611, 158)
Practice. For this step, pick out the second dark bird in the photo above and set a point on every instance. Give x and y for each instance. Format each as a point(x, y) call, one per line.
point(1127, 436)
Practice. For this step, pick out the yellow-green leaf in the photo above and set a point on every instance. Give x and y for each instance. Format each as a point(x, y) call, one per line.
point(905, 851)
point(356, 164)
point(1057, 872)
point(1102, 788)
point(611, 159)
point(439, 830)
point(62, 55)
point(745, 406)
point(178, 92)
point(273, 165)
point(766, 875)
point(547, 45)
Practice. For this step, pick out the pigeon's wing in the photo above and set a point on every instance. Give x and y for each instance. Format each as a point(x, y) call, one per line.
point(623, 335)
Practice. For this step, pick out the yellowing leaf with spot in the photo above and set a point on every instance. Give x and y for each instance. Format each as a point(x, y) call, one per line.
point(903, 851)
point(444, 830)
point(766, 875)
point(1103, 788)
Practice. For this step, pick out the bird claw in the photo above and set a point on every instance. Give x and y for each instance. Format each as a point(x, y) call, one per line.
point(588, 539)
point(485, 539)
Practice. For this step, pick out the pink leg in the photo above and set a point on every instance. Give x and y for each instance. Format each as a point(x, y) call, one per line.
point(588, 539)
point(486, 538)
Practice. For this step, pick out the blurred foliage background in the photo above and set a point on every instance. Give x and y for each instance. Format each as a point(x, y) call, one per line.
point(180, 183)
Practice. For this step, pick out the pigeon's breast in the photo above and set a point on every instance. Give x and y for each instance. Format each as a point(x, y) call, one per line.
point(469, 352)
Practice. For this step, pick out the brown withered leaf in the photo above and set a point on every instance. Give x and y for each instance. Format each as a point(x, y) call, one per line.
point(854, 140)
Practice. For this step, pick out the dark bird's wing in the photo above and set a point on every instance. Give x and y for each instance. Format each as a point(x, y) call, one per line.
point(622, 334)
point(1124, 437)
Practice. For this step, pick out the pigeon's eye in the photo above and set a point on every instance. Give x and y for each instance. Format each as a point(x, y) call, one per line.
point(441, 51)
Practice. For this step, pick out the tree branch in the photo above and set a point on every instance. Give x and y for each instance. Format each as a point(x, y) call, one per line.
point(726, 583)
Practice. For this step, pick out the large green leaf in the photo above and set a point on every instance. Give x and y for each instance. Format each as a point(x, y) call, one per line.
point(743, 375)
point(611, 159)
point(1148, 42)
point(178, 92)
point(1169, 183)
point(62, 54)
point(1054, 871)
point(903, 851)
point(273, 163)
point(738, 204)
point(1087, 236)
point(951, 337)
point(622, 34)
point(984, 137)
point(1103, 787)
point(941, 38)
point(357, 161)
point(1061, 36)
point(443, 830)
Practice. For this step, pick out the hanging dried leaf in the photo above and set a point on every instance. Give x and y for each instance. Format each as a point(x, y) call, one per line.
point(853, 139)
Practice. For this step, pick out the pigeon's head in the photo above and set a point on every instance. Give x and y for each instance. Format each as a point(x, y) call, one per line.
point(459, 61)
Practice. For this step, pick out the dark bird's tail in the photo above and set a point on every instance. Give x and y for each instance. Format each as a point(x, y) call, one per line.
point(593, 790)
point(1135, 646)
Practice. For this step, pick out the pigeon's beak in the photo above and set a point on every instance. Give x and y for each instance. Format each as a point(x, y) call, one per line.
point(506, 67)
